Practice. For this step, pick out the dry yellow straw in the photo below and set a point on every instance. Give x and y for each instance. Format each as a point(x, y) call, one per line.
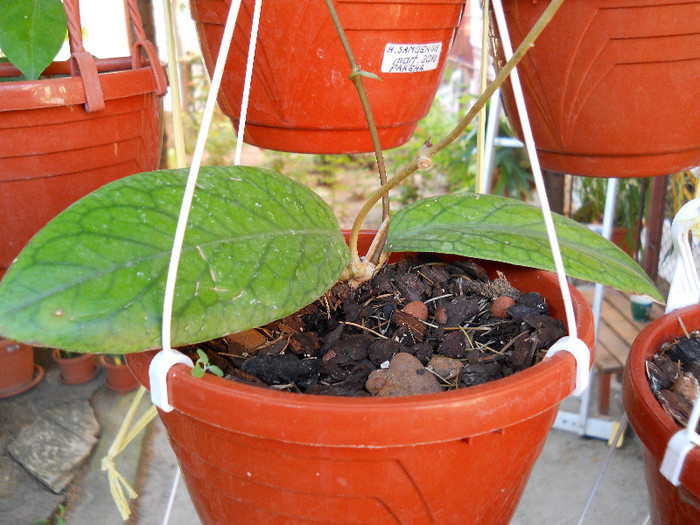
point(119, 487)
point(117, 483)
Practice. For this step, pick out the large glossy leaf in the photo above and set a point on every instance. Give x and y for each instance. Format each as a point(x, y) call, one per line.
point(31, 33)
point(507, 230)
point(259, 246)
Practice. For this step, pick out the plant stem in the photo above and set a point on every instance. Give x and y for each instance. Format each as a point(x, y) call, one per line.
point(431, 150)
point(356, 77)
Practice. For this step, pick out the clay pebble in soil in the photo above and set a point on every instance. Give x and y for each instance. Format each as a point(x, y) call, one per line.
point(405, 376)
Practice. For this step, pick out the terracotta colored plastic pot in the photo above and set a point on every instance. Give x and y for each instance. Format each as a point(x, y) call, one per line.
point(18, 373)
point(77, 369)
point(669, 505)
point(256, 455)
point(119, 377)
point(65, 136)
point(610, 85)
point(301, 97)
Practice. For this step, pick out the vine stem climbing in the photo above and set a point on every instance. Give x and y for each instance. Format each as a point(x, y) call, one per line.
point(359, 270)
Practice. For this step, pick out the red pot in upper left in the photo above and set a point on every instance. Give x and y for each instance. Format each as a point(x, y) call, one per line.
point(66, 135)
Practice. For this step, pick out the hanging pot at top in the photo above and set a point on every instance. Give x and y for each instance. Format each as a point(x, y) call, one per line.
point(610, 85)
point(301, 97)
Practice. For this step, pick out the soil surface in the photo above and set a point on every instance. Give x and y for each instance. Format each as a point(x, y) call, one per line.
point(672, 374)
point(418, 326)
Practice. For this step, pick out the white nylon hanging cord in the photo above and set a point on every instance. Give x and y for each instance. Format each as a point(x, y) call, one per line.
point(537, 172)
point(246, 85)
point(194, 173)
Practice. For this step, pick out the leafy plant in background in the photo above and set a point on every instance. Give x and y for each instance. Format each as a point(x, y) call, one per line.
point(32, 33)
point(259, 246)
point(221, 136)
point(629, 209)
point(456, 167)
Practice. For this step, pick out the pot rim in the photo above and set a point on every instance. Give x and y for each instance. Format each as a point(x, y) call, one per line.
point(374, 422)
point(118, 79)
point(650, 422)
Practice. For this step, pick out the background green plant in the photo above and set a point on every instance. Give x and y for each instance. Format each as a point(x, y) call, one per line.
point(630, 205)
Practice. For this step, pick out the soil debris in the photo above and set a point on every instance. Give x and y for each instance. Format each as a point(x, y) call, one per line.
point(673, 373)
point(420, 325)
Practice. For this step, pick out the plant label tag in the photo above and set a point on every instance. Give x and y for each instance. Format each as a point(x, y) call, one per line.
point(411, 58)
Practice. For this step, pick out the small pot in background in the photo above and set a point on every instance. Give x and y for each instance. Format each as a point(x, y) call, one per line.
point(119, 377)
point(18, 373)
point(75, 370)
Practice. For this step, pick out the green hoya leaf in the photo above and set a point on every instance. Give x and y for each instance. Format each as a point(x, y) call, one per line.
point(31, 33)
point(258, 247)
point(506, 230)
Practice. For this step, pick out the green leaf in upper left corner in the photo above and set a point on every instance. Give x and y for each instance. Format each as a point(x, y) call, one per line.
point(32, 33)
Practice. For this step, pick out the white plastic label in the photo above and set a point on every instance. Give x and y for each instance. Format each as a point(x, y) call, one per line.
point(411, 58)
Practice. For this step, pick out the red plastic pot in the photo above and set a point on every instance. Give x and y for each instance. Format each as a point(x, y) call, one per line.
point(669, 505)
point(77, 369)
point(119, 377)
point(301, 97)
point(610, 85)
point(18, 373)
point(255, 455)
point(65, 136)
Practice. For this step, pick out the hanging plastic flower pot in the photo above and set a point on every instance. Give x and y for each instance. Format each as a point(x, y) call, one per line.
point(669, 504)
point(300, 97)
point(87, 122)
point(610, 86)
point(255, 455)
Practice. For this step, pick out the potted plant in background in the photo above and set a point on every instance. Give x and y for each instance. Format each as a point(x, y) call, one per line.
point(669, 504)
point(75, 368)
point(630, 206)
point(18, 373)
point(119, 377)
point(260, 247)
point(69, 127)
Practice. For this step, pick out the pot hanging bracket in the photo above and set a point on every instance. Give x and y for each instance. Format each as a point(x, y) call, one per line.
point(677, 449)
point(152, 57)
point(85, 67)
point(158, 376)
point(581, 353)
point(685, 286)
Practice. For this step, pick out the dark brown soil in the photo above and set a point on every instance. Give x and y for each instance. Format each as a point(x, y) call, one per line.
point(333, 345)
point(672, 376)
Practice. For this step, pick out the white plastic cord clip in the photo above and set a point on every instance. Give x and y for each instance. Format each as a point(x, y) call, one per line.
point(158, 376)
point(684, 291)
point(678, 447)
point(581, 353)
point(570, 343)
